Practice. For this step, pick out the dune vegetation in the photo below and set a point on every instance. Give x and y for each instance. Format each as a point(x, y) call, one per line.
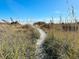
point(56, 47)
point(17, 43)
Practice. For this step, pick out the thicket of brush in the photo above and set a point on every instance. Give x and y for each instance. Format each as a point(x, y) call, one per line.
point(16, 44)
point(55, 48)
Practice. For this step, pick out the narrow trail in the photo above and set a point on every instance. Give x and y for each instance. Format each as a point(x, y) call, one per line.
point(39, 49)
point(40, 41)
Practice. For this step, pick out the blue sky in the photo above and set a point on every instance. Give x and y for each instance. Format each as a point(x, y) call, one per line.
point(35, 9)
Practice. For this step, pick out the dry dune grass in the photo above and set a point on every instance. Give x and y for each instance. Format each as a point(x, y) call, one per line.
point(17, 42)
point(60, 44)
